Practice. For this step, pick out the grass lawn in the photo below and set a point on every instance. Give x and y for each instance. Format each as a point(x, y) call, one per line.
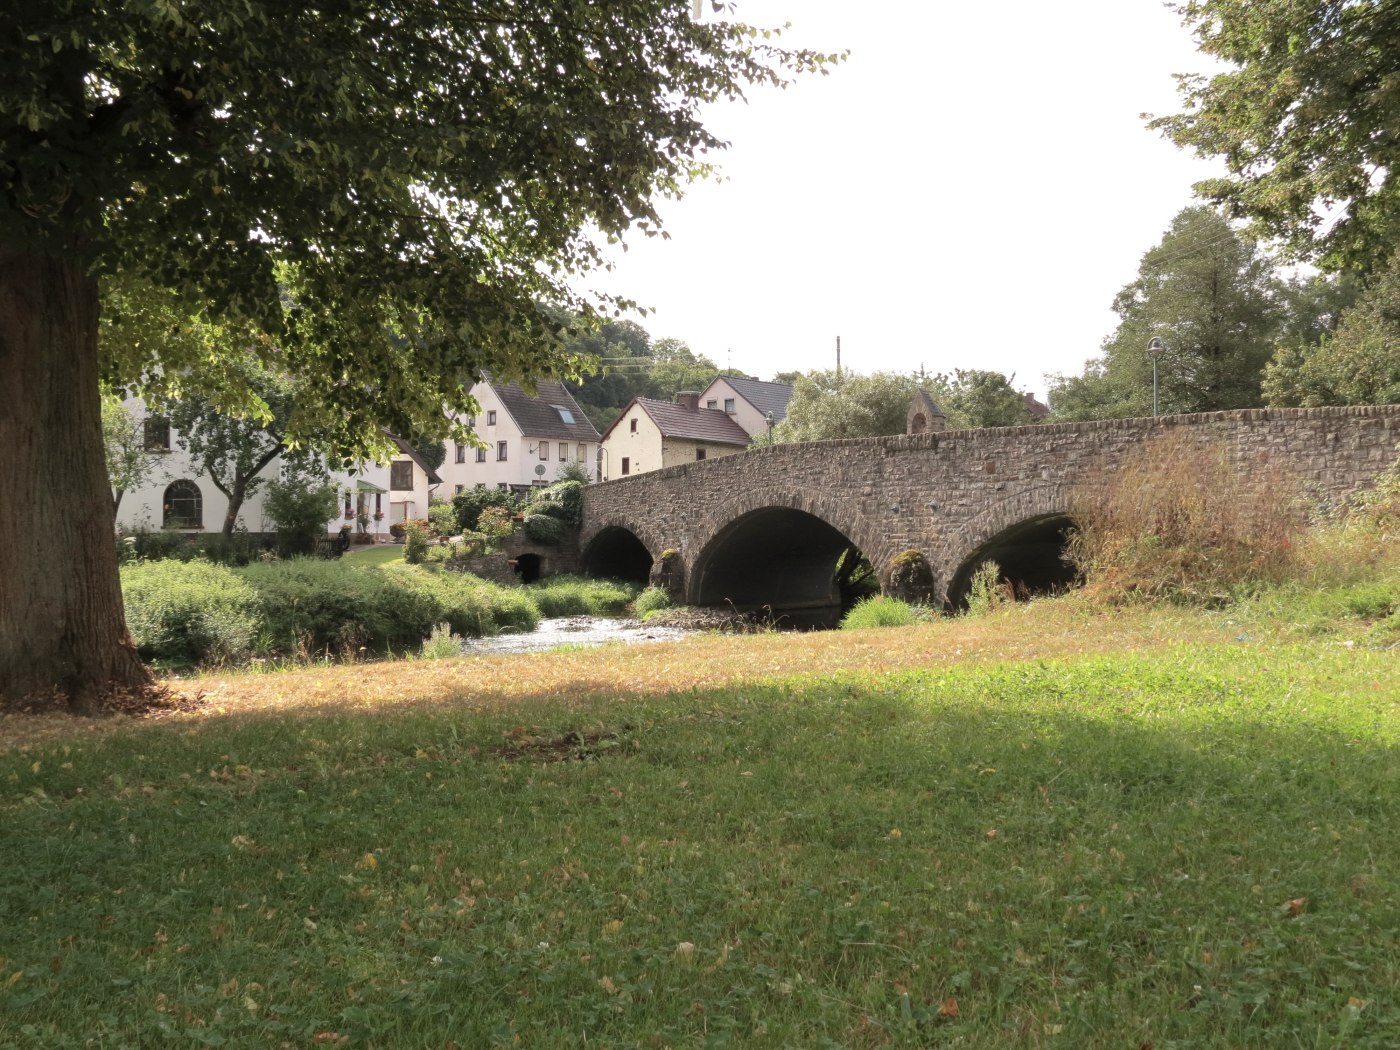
point(1046, 828)
point(376, 554)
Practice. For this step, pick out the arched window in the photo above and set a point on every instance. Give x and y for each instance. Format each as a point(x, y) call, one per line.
point(183, 506)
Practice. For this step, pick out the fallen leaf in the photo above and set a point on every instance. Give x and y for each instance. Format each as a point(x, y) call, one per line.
point(948, 1008)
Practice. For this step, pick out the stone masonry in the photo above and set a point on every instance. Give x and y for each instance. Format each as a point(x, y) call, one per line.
point(948, 494)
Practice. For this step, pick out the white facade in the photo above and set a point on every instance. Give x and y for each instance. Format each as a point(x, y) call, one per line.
point(511, 456)
point(177, 497)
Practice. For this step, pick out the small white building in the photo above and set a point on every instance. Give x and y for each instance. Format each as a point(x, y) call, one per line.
point(177, 497)
point(526, 440)
point(651, 434)
point(753, 404)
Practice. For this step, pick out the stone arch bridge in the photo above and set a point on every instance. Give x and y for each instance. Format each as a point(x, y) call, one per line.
point(764, 529)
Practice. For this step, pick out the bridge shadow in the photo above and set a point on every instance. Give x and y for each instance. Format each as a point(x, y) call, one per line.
point(617, 554)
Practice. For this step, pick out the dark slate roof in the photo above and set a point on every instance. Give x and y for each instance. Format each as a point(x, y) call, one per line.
point(537, 417)
point(693, 424)
point(766, 397)
point(412, 453)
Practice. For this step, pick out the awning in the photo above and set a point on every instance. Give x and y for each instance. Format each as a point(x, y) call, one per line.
point(367, 486)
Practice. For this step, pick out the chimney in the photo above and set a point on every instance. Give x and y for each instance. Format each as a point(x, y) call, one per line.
point(688, 399)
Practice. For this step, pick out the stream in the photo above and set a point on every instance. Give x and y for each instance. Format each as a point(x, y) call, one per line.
point(572, 630)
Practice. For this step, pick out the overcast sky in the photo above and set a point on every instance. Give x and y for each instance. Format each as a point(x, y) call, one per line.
point(968, 190)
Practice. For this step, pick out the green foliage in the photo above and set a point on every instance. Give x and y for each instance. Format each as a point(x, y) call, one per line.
point(190, 614)
point(415, 542)
point(573, 470)
point(880, 611)
point(469, 504)
point(653, 599)
point(129, 462)
point(1211, 294)
point(442, 519)
point(541, 528)
point(495, 524)
point(563, 501)
point(581, 596)
point(635, 367)
point(1304, 119)
point(826, 406)
point(1359, 365)
point(978, 398)
point(298, 506)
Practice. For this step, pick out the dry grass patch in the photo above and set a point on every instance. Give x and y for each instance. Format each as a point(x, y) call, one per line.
point(573, 677)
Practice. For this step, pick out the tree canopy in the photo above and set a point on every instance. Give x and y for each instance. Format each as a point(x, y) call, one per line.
point(1307, 121)
point(1213, 295)
point(387, 198)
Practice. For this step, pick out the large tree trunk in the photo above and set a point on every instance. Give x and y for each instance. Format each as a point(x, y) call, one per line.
point(63, 636)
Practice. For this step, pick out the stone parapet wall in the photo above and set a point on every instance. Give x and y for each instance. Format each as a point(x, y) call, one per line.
point(944, 494)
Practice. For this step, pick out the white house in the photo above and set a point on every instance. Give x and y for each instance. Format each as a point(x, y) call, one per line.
point(526, 440)
point(753, 404)
point(650, 434)
point(177, 497)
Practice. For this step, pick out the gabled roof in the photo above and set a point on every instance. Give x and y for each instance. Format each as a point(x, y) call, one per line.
point(412, 453)
point(539, 416)
point(766, 397)
point(690, 424)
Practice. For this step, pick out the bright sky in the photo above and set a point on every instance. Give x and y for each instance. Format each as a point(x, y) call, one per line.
point(968, 190)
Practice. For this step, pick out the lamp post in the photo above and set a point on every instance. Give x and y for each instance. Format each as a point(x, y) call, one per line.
point(1156, 347)
point(770, 421)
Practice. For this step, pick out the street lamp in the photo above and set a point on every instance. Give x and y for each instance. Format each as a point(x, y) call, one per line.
point(1156, 347)
point(770, 421)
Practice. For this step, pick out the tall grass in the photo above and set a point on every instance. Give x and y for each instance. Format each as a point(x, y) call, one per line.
point(1182, 521)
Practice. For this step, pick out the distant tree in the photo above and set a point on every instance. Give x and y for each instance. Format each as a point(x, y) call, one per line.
point(1306, 119)
point(432, 452)
point(676, 367)
point(977, 398)
point(826, 406)
point(299, 503)
point(130, 463)
point(232, 447)
point(1213, 295)
point(1358, 365)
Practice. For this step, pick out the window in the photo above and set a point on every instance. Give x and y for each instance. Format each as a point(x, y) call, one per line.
point(491, 418)
point(500, 451)
point(729, 405)
point(502, 485)
point(626, 465)
point(401, 475)
point(461, 453)
point(563, 452)
point(699, 453)
point(634, 426)
point(471, 421)
point(481, 484)
point(155, 433)
point(183, 506)
point(544, 450)
point(582, 452)
point(712, 403)
point(481, 455)
point(459, 488)
point(564, 413)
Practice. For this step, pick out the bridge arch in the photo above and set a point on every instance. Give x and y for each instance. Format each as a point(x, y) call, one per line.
point(620, 549)
point(1024, 534)
point(777, 551)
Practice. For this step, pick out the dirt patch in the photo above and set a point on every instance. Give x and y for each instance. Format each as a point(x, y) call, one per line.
point(574, 746)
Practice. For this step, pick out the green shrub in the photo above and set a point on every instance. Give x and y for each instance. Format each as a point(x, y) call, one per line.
point(469, 504)
point(879, 611)
point(188, 614)
point(442, 519)
point(312, 606)
point(543, 529)
point(469, 605)
point(581, 596)
point(562, 501)
point(653, 599)
point(299, 505)
point(986, 591)
point(415, 542)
